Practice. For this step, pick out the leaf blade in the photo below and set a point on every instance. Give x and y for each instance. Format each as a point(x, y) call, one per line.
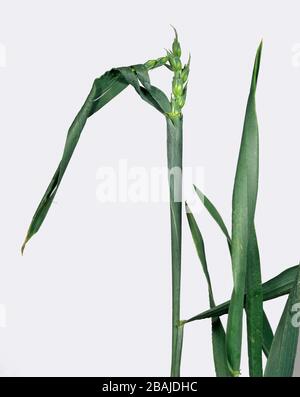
point(267, 336)
point(243, 210)
point(274, 288)
point(73, 136)
point(284, 347)
point(218, 332)
point(103, 90)
point(259, 331)
point(214, 214)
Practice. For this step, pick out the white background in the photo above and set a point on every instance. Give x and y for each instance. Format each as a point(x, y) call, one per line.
point(91, 296)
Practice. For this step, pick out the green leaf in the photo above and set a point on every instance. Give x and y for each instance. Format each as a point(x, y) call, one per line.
point(104, 89)
point(160, 98)
point(281, 284)
point(274, 288)
point(219, 348)
point(257, 321)
point(218, 333)
point(284, 347)
point(154, 96)
point(215, 214)
point(107, 87)
point(243, 211)
point(143, 75)
point(267, 335)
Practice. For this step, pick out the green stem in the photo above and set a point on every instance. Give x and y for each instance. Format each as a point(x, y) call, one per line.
point(174, 149)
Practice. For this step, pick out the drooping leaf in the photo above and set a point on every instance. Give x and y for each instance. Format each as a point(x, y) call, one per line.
point(218, 332)
point(243, 211)
point(150, 94)
point(284, 347)
point(103, 90)
point(143, 75)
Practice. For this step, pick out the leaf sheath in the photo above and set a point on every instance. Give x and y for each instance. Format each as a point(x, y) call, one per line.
point(174, 154)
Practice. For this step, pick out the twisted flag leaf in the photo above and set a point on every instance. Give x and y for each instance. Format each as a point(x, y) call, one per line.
point(103, 90)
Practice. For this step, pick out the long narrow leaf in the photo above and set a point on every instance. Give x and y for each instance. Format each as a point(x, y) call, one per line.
point(218, 332)
point(284, 347)
point(257, 321)
point(215, 214)
point(274, 288)
point(103, 90)
point(243, 210)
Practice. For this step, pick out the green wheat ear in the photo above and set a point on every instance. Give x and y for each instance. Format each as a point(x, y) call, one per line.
point(180, 78)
